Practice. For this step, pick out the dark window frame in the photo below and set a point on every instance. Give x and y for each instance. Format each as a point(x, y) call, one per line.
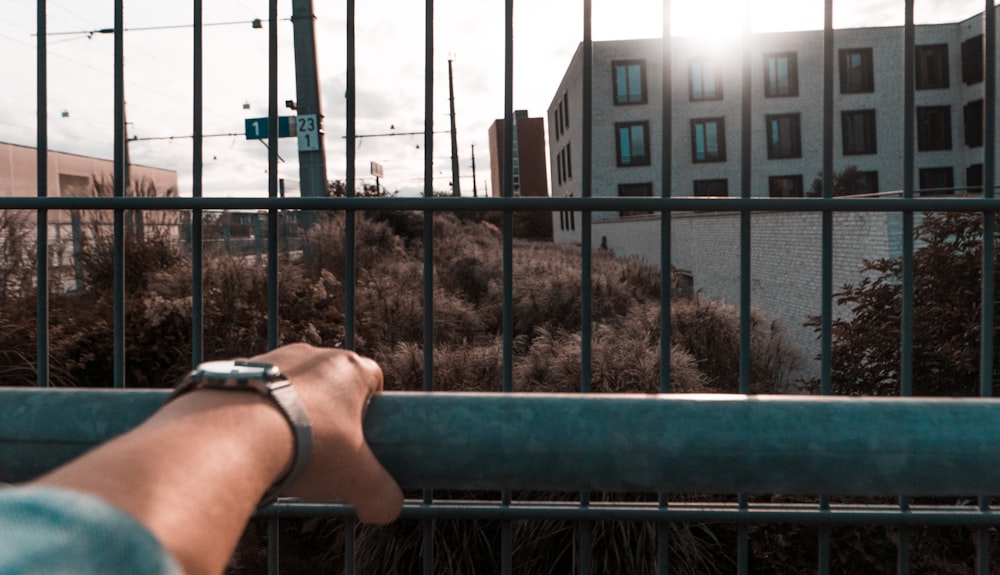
point(703, 188)
point(932, 70)
point(645, 190)
point(933, 128)
point(565, 103)
point(628, 101)
point(870, 178)
point(794, 179)
point(720, 131)
point(569, 162)
point(780, 150)
point(972, 60)
point(974, 179)
point(868, 143)
point(862, 81)
point(771, 87)
point(928, 187)
point(716, 74)
point(972, 117)
point(640, 160)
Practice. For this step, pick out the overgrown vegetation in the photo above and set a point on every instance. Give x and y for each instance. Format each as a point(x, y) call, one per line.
point(947, 303)
point(467, 316)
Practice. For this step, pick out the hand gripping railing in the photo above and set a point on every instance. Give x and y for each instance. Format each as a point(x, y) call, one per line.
point(635, 443)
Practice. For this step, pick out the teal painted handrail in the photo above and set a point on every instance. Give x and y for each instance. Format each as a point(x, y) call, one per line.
point(571, 442)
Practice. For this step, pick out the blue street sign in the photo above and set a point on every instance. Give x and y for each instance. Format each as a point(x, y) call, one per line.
point(257, 128)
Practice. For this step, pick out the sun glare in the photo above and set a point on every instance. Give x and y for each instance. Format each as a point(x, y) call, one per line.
point(725, 18)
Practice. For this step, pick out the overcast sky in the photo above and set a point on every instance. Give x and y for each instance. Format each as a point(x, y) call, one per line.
point(390, 57)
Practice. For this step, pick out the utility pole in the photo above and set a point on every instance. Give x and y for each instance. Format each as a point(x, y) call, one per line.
point(475, 194)
point(312, 163)
point(455, 188)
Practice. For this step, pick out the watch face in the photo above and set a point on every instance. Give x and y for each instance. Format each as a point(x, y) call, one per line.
point(238, 370)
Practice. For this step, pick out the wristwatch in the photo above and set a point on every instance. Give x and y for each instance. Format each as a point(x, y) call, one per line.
point(268, 381)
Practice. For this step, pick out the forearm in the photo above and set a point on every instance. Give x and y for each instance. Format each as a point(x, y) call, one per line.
point(192, 474)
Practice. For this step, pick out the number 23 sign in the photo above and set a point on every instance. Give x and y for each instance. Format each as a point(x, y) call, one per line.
point(307, 129)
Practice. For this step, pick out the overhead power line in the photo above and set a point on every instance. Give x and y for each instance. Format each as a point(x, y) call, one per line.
point(256, 23)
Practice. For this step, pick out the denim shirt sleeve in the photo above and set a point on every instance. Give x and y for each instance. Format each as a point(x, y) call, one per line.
point(56, 531)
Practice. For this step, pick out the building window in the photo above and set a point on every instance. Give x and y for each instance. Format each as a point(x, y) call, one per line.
point(974, 179)
point(560, 167)
point(932, 66)
point(783, 137)
point(869, 181)
point(781, 75)
point(784, 186)
point(713, 188)
point(973, 112)
point(856, 71)
point(567, 221)
point(632, 143)
point(972, 60)
point(558, 121)
point(630, 82)
point(569, 163)
point(635, 190)
point(706, 81)
point(937, 181)
point(708, 140)
point(858, 131)
point(934, 128)
point(565, 113)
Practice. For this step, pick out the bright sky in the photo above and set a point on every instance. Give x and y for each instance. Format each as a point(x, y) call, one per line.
point(390, 56)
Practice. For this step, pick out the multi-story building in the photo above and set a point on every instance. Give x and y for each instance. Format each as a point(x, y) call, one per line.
point(528, 169)
point(786, 95)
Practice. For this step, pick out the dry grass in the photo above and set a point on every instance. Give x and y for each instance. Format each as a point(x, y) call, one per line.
point(467, 314)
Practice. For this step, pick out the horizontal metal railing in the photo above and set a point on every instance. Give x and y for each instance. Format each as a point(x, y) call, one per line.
point(717, 443)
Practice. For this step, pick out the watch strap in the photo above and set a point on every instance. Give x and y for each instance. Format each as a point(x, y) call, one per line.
point(282, 393)
point(287, 400)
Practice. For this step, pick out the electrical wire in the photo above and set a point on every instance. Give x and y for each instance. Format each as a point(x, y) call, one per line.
point(163, 27)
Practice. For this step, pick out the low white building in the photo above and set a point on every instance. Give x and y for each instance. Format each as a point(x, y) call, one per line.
point(786, 148)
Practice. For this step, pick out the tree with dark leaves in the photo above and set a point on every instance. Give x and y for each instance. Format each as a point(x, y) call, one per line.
point(947, 284)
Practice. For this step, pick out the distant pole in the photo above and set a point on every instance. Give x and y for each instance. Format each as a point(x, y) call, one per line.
point(455, 188)
point(474, 192)
point(312, 163)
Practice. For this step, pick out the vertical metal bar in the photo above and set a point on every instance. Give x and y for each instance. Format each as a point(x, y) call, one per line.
point(507, 192)
point(273, 534)
point(350, 545)
point(121, 184)
point(584, 529)
point(906, 318)
point(906, 326)
point(272, 176)
point(666, 183)
point(197, 260)
point(826, 256)
point(989, 251)
point(745, 193)
point(666, 177)
point(429, 195)
point(989, 224)
point(427, 546)
point(42, 229)
point(350, 250)
point(506, 527)
point(742, 535)
point(586, 240)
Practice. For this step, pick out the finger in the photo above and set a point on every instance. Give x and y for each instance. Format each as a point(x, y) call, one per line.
point(376, 497)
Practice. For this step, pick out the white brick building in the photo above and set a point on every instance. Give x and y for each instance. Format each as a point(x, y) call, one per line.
point(786, 148)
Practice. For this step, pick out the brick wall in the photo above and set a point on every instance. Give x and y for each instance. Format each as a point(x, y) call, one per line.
point(786, 250)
